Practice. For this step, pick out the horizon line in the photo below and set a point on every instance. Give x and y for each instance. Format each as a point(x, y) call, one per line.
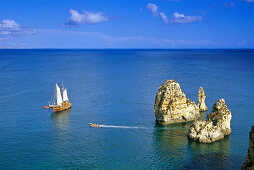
point(17, 48)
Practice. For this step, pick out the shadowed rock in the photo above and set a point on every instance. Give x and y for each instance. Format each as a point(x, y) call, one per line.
point(249, 162)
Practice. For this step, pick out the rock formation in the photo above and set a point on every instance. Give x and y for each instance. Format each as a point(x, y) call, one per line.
point(216, 126)
point(249, 162)
point(201, 100)
point(172, 106)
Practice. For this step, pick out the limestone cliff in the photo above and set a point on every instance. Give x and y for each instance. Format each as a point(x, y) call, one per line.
point(249, 162)
point(216, 126)
point(172, 106)
point(201, 100)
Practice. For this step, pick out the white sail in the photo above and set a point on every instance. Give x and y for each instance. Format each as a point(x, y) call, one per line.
point(65, 96)
point(59, 99)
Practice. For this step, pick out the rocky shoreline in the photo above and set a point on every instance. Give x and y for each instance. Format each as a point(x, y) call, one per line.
point(172, 106)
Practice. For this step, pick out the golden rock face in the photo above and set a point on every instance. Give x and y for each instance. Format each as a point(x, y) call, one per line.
point(172, 105)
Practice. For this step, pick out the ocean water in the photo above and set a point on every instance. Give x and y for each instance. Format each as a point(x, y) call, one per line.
point(117, 88)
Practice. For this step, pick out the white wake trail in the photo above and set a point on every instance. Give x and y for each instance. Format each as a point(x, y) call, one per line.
point(123, 127)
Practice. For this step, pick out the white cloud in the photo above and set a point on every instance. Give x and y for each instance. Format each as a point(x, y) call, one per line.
point(9, 24)
point(86, 17)
point(153, 8)
point(9, 28)
point(164, 17)
point(182, 19)
point(177, 17)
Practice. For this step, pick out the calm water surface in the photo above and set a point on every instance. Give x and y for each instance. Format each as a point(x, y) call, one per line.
point(117, 88)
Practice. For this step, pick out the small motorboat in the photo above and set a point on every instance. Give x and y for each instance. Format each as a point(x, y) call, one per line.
point(94, 125)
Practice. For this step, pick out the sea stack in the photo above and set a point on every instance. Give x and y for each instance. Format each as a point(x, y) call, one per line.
point(216, 126)
point(172, 106)
point(201, 100)
point(249, 162)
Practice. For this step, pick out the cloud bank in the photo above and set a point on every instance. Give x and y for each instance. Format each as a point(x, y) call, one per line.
point(10, 28)
point(85, 17)
point(83, 39)
point(177, 18)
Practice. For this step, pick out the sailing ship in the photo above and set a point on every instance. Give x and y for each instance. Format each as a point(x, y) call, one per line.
point(62, 103)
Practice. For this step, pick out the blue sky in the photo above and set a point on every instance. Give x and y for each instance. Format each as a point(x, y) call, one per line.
point(126, 24)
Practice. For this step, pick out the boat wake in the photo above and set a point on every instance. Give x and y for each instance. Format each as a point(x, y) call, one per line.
point(6, 66)
point(122, 127)
point(16, 94)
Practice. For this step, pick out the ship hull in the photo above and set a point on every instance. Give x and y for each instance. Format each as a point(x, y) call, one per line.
point(64, 106)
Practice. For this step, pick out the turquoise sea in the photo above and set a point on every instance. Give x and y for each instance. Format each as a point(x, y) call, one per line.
point(117, 88)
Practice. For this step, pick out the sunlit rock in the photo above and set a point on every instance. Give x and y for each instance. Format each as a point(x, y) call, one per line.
point(216, 126)
point(172, 106)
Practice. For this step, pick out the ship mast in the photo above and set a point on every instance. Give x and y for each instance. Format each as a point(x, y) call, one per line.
point(62, 89)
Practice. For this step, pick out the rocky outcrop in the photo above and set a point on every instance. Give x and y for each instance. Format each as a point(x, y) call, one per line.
point(172, 106)
point(216, 126)
point(249, 162)
point(201, 100)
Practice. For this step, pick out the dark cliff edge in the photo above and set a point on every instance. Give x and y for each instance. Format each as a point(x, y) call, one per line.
point(249, 161)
